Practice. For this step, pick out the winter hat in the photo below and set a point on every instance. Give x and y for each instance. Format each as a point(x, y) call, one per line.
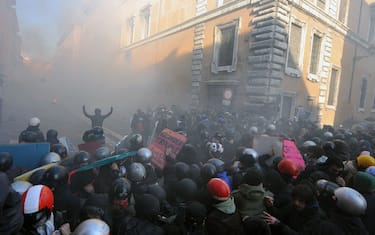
point(364, 182)
point(365, 161)
point(218, 189)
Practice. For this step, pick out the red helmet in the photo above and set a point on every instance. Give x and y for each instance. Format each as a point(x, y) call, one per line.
point(37, 198)
point(287, 167)
point(219, 189)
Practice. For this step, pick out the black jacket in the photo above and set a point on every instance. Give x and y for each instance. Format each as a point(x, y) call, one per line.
point(368, 217)
point(32, 134)
point(11, 216)
point(137, 226)
point(224, 220)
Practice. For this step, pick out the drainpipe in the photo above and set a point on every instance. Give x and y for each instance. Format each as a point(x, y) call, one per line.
point(355, 57)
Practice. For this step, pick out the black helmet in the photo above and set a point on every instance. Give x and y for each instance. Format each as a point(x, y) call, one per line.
point(136, 142)
point(157, 191)
point(55, 176)
point(147, 206)
point(249, 157)
point(219, 164)
point(182, 170)
point(194, 171)
point(328, 146)
point(317, 140)
point(37, 177)
point(144, 155)
point(6, 161)
point(81, 158)
point(101, 153)
point(208, 171)
point(186, 190)
point(52, 134)
point(136, 172)
point(60, 149)
point(121, 189)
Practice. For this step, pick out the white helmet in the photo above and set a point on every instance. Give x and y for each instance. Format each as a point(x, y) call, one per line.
point(92, 227)
point(34, 121)
point(328, 135)
point(253, 130)
point(308, 143)
point(350, 201)
point(51, 157)
point(21, 186)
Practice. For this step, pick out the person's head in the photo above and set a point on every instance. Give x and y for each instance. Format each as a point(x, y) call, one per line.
point(120, 192)
point(82, 158)
point(55, 176)
point(256, 226)
point(334, 166)
point(6, 161)
point(97, 111)
point(302, 197)
point(34, 122)
point(147, 206)
point(52, 134)
point(253, 177)
point(364, 182)
point(38, 203)
point(60, 149)
point(196, 214)
point(218, 189)
point(92, 227)
point(350, 201)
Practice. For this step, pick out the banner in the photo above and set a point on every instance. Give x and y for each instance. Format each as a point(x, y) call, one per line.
point(167, 139)
point(265, 144)
point(27, 156)
point(291, 152)
point(26, 176)
point(102, 162)
point(90, 147)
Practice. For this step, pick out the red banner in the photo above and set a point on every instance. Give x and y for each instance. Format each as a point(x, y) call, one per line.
point(167, 139)
point(90, 147)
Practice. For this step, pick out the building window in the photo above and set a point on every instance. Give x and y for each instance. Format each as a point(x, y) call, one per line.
point(131, 27)
point(333, 87)
point(362, 99)
point(315, 56)
point(295, 48)
point(225, 47)
point(222, 2)
point(321, 4)
point(343, 11)
point(145, 17)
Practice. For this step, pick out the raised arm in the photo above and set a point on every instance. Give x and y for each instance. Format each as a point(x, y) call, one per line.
point(108, 114)
point(84, 112)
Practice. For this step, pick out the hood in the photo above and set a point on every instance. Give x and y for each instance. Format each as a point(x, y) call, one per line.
point(252, 192)
point(227, 207)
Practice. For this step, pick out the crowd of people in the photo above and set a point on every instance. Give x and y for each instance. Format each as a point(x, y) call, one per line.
point(217, 184)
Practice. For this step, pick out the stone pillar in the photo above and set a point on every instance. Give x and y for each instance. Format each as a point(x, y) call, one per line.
point(197, 54)
point(267, 52)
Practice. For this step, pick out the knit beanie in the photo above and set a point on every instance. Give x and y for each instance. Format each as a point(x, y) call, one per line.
point(364, 182)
